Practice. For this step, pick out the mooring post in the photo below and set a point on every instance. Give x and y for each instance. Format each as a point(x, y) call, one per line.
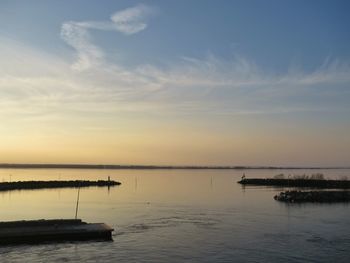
point(76, 208)
point(288, 179)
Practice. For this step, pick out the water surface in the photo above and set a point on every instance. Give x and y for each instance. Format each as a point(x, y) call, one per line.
point(180, 216)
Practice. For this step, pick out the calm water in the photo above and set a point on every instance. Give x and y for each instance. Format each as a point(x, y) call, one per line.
point(180, 216)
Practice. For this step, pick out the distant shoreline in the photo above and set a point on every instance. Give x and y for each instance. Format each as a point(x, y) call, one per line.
point(155, 167)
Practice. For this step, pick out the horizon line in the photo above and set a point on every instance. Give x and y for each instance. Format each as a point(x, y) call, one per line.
point(141, 166)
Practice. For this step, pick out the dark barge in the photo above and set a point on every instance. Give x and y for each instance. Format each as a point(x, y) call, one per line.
point(37, 231)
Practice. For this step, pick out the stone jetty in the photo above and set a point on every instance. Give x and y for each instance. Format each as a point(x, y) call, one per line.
point(313, 196)
point(23, 185)
point(311, 183)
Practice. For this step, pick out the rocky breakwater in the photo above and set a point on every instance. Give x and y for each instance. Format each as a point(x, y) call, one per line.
point(313, 196)
point(23, 185)
point(296, 182)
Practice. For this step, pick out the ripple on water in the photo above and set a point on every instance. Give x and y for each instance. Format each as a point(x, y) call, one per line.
point(164, 222)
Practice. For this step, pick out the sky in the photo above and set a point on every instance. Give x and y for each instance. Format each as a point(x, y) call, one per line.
point(175, 82)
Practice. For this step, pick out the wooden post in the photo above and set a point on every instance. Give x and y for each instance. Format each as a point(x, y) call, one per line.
point(76, 208)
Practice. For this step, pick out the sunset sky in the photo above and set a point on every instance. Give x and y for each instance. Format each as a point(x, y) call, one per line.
point(175, 82)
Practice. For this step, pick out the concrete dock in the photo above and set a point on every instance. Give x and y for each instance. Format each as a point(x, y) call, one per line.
point(36, 231)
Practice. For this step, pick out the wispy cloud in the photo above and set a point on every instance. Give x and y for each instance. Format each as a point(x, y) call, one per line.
point(130, 20)
point(191, 86)
point(79, 38)
point(49, 88)
point(77, 34)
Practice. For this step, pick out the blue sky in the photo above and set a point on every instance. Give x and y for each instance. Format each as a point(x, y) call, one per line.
point(274, 34)
point(242, 71)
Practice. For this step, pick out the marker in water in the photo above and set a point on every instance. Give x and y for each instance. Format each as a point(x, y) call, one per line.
point(76, 208)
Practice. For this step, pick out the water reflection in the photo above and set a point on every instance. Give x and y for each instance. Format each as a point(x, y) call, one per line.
point(180, 215)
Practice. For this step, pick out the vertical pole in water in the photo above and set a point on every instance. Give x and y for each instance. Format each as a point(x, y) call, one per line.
point(288, 181)
point(109, 185)
point(76, 208)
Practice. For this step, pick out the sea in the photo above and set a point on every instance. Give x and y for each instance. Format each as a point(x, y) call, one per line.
point(180, 216)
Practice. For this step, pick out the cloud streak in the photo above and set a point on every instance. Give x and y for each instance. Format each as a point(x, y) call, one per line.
point(130, 20)
point(79, 38)
point(77, 34)
point(190, 86)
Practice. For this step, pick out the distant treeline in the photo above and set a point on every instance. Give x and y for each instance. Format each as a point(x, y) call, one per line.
point(113, 166)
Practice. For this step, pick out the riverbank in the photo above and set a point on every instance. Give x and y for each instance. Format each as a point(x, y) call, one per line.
point(24, 185)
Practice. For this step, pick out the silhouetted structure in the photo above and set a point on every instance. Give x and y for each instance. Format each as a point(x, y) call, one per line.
point(22, 185)
point(330, 184)
point(35, 231)
point(313, 196)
